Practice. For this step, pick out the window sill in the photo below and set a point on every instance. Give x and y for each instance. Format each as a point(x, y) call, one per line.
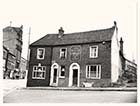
point(61, 77)
point(94, 78)
point(38, 78)
point(93, 57)
point(40, 58)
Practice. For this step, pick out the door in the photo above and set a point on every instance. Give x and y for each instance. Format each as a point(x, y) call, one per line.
point(74, 75)
point(54, 75)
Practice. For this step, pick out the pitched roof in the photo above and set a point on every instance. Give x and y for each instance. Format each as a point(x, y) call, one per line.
point(76, 38)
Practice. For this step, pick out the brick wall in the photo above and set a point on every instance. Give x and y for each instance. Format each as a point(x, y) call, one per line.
point(45, 62)
point(104, 59)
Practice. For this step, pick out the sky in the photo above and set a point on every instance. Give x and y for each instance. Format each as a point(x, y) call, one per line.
point(47, 16)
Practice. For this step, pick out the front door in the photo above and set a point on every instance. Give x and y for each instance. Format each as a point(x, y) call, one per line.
point(54, 75)
point(75, 77)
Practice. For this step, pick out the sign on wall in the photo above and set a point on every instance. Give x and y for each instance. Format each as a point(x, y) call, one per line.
point(75, 53)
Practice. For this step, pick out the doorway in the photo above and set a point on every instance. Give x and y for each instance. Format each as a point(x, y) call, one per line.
point(54, 75)
point(74, 75)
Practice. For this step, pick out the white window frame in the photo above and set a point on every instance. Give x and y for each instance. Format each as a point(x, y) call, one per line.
point(35, 70)
point(61, 53)
point(60, 72)
point(38, 53)
point(98, 67)
point(91, 53)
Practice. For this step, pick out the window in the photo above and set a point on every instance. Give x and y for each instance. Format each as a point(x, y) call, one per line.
point(93, 51)
point(39, 72)
point(93, 71)
point(62, 72)
point(40, 53)
point(63, 53)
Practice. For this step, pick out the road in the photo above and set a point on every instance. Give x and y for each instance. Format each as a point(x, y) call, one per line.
point(18, 95)
point(59, 96)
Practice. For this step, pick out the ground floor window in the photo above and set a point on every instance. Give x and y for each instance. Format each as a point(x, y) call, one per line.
point(39, 72)
point(62, 72)
point(93, 71)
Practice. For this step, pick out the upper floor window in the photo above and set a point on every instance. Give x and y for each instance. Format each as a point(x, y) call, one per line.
point(93, 71)
point(40, 53)
point(39, 72)
point(62, 72)
point(93, 52)
point(63, 53)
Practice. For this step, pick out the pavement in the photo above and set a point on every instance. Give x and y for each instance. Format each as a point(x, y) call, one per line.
point(82, 89)
point(10, 85)
point(15, 91)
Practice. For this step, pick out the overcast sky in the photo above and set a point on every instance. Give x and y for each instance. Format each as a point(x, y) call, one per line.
point(46, 16)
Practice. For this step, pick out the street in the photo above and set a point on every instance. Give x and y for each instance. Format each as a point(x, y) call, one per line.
point(57, 96)
point(14, 93)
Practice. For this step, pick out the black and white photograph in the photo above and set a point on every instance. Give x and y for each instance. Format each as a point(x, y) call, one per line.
point(69, 51)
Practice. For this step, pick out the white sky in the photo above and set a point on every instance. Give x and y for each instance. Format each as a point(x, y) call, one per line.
point(46, 16)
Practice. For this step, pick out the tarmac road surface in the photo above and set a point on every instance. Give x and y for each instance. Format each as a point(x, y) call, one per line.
point(59, 96)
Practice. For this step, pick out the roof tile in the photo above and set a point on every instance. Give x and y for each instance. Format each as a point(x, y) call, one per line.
point(76, 38)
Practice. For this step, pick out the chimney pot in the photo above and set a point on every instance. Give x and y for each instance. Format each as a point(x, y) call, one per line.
point(61, 32)
point(121, 45)
point(115, 23)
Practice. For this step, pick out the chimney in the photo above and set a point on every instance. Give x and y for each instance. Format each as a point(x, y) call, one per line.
point(115, 23)
point(61, 32)
point(121, 45)
point(21, 27)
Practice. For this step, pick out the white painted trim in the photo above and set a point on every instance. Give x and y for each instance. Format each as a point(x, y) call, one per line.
point(43, 53)
point(99, 69)
point(115, 57)
point(52, 75)
point(60, 72)
point(37, 71)
point(71, 74)
point(90, 51)
point(65, 52)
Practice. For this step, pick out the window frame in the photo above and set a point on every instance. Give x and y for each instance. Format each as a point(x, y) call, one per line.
point(43, 53)
point(61, 53)
point(98, 72)
point(35, 70)
point(90, 51)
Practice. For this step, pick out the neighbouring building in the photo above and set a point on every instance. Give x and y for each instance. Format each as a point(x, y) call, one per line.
point(12, 39)
point(75, 59)
point(131, 67)
point(130, 73)
point(23, 66)
point(128, 76)
point(9, 62)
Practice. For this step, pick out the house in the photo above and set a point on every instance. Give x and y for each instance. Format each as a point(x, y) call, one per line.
point(12, 39)
point(75, 59)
